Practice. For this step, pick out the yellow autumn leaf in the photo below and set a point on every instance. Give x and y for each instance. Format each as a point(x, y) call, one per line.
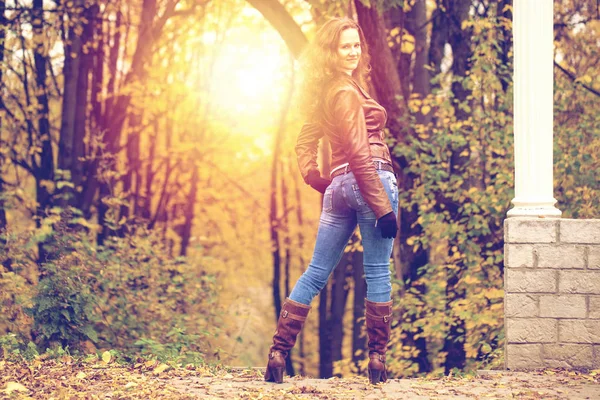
point(470, 280)
point(106, 357)
point(14, 387)
point(408, 44)
point(584, 79)
point(161, 368)
point(150, 363)
point(425, 109)
point(80, 375)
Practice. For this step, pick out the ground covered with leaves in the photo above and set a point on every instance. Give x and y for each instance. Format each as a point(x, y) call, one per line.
point(103, 378)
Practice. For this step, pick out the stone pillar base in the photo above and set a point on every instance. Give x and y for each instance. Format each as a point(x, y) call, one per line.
point(552, 293)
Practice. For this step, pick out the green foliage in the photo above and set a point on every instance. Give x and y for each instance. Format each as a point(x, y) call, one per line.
point(576, 149)
point(13, 348)
point(462, 189)
point(178, 348)
point(129, 294)
point(63, 308)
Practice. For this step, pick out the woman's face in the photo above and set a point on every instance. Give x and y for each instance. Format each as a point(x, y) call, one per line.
point(348, 51)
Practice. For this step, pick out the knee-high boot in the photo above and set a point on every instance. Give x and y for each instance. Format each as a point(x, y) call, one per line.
point(291, 320)
point(379, 323)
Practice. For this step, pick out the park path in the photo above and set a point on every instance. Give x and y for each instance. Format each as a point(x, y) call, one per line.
point(93, 378)
point(548, 384)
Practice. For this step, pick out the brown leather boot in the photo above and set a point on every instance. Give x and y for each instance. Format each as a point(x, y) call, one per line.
point(291, 319)
point(379, 325)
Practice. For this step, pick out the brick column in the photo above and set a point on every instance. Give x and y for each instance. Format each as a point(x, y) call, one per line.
point(552, 293)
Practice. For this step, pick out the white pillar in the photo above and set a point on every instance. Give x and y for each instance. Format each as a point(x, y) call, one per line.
point(533, 39)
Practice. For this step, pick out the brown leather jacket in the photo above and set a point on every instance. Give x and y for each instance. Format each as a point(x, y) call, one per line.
point(353, 122)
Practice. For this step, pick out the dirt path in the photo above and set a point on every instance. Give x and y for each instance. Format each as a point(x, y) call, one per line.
point(513, 385)
point(66, 378)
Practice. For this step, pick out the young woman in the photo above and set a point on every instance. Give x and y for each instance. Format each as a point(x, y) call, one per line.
point(362, 190)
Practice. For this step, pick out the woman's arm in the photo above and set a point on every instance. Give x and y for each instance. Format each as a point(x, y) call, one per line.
point(306, 149)
point(350, 118)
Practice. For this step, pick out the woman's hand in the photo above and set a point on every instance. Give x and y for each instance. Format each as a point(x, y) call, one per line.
point(388, 225)
point(316, 182)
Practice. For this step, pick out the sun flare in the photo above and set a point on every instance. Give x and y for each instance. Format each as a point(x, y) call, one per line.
point(249, 74)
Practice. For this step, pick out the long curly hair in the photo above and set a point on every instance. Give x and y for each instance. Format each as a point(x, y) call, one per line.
point(318, 67)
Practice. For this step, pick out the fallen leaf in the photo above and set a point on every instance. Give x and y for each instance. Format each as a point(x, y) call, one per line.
point(14, 387)
point(80, 375)
point(130, 385)
point(160, 368)
point(106, 357)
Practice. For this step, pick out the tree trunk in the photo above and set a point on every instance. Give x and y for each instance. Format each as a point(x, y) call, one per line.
point(439, 37)
point(397, 18)
point(81, 115)
point(387, 84)
point(163, 199)
point(325, 362)
point(384, 73)
point(274, 222)
point(417, 22)
point(148, 33)
point(3, 221)
point(287, 246)
point(503, 10)
point(133, 158)
point(45, 169)
point(282, 21)
point(98, 74)
point(98, 122)
point(301, 261)
point(150, 174)
point(460, 41)
point(189, 210)
point(359, 340)
point(71, 71)
point(339, 295)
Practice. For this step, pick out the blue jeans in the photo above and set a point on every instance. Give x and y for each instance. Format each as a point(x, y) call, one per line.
point(343, 208)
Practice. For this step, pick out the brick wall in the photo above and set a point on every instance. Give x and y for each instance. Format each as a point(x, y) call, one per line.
point(552, 293)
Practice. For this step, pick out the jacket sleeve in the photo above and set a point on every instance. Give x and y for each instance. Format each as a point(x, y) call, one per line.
point(350, 118)
point(306, 148)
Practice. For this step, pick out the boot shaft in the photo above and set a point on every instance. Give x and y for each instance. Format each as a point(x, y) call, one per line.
point(290, 322)
point(379, 323)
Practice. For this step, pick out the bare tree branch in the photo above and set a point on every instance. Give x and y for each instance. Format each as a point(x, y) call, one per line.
point(573, 78)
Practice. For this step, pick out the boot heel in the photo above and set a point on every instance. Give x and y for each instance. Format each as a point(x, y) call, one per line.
point(375, 376)
point(277, 374)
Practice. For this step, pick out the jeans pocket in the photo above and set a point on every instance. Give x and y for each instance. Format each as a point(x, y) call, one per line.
point(328, 200)
point(359, 199)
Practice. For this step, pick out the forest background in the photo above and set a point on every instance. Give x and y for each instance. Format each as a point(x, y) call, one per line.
point(150, 202)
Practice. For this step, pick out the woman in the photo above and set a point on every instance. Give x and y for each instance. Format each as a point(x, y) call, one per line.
point(363, 188)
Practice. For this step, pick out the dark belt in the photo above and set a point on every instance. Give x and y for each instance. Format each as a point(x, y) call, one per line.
point(378, 165)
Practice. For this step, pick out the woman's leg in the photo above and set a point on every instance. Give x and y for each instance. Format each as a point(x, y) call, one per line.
point(378, 250)
point(378, 310)
point(336, 225)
